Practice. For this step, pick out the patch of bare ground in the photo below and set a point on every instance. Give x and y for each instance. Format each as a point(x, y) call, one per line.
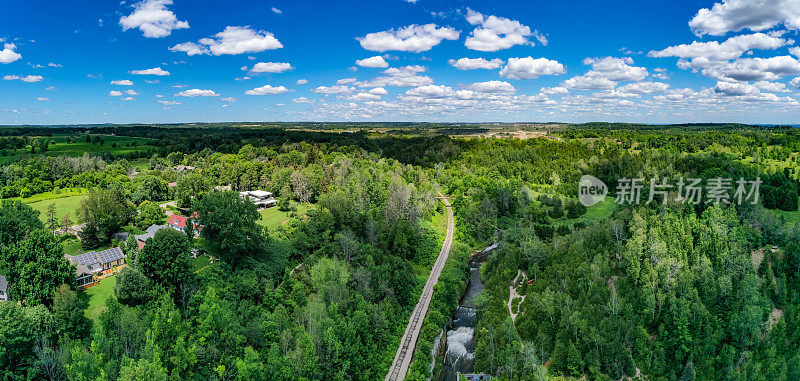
point(774, 315)
point(611, 284)
point(756, 257)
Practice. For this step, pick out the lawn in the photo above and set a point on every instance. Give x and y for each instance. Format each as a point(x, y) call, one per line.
point(72, 247)
point(273, 218)
point(200, 262)
point(98, 295)
point(64, 205)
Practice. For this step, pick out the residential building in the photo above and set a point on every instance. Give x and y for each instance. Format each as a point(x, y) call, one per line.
point(180, 223)
point(149, 233)
point(92, 265)
point(3, 289)
point(121, 236)
point(262, 199)
point(183, 168)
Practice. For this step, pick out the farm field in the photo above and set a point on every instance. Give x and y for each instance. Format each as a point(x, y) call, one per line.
point(111, 144)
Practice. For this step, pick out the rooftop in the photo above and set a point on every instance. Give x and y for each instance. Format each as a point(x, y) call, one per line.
point(3, 283)
point(93, 261)
point(176, 220)
point(150, 232)
point(257, 194)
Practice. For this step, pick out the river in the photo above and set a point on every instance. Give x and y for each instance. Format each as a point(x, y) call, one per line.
point(460, 350)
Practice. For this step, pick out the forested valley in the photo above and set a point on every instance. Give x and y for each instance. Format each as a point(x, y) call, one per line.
point(660, 291)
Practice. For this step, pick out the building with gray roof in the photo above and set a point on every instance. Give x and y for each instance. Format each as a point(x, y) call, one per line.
point(149, 233)
point(90, 264)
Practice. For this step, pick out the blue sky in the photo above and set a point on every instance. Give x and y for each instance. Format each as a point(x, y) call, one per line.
point(392, 60)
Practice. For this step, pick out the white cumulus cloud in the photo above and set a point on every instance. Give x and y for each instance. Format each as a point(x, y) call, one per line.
point(756, 15)
point(735, 88)
point(233, 40)
point(529, 68)
point(270, 67)
point(376, 61)
point(558, 90)
point(756, 69)
point(729, 49)
point(31, 78)
point(197, 93)
point(644, 87)
point(405, 76)
point(154, 71)
point(267, 90)
point(153, 18)
point(585, 82)
point(336, 89)
point(615, 69)
point(497, 33)
point(493, 87)
point(124, 82)
point(476, 63)
point(413, 38)
point(8, 55)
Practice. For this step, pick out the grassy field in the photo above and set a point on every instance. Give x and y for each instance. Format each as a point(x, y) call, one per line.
point(97, 296)
point(597, 212)
point(140, 164)
point(273, 218)
point(72, 247)
point(112, 144)
point(64, 205)
point(789, 218)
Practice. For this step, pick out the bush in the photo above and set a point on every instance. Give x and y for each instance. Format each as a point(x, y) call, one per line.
point(575, 209)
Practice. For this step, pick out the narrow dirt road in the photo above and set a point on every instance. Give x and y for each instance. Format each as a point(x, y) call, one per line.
point(402, 359)
point(513, 294)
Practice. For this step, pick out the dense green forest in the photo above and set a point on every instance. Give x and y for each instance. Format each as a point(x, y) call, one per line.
point(664, 291)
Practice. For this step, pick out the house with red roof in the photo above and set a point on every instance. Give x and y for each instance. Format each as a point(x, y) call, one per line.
point(179, 223)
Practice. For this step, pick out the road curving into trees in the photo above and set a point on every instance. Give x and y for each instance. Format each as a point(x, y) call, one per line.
point(402, 359)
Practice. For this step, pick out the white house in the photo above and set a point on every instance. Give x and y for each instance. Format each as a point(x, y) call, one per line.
point(262, 199)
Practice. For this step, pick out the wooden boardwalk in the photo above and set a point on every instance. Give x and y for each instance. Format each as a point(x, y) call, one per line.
point(402, 359)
